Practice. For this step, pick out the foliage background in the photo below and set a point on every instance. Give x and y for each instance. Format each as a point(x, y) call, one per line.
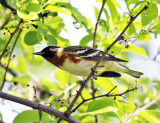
point(59, 29)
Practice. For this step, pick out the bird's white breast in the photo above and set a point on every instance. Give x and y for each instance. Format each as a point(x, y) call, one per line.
point(82, 68)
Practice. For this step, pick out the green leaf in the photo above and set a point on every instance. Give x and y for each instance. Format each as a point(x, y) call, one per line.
point(66, 78)
point(132, 1)
point(85, 40)
point(51, 40)
point(27, 17)
point(101, 106)
point(57, 1)
point(23, 80)
point(135, 49)
point(115, 49)
point(150, 14)
point(47, 84)
point(31, 116)
point(153, 116)
point(1, 117)
point(144, 36)
point(58, 9)
point(125, 107)
point(108, 84)
point(34, 8)
point(19, 64)
point(31, 38)
point(113, 10)
point(131, 30)
point(75, 14)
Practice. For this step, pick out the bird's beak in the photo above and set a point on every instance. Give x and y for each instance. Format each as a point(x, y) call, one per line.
point(39, 53)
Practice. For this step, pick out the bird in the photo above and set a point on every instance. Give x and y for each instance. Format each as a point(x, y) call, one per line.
point(80, 60)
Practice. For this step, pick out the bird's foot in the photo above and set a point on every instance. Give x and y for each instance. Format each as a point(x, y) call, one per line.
point(83, 83)
point(93, 71)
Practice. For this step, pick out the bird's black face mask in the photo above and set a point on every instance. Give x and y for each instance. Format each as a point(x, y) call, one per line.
point(50, 51)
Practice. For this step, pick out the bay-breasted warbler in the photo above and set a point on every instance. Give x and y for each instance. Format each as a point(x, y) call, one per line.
point(79, 60)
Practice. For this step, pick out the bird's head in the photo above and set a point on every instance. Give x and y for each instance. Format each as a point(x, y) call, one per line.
point(50, 51)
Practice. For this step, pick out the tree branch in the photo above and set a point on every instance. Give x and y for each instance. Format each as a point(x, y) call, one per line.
point(4, 3)
point(147, 105)
point(103, 55)
point(38, 107)
point(66, 90)
point(96, 26)
point(5, 23)
point(105, 95)
point(12, 34)
point(6, 70)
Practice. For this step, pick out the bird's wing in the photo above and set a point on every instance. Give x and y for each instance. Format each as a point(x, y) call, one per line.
point(90, 53)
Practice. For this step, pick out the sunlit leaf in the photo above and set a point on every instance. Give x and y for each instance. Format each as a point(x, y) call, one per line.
point(17, 63)
point(153, 116)
point(135, 49)
point(108, 84)
point(66, 78)
point(150, 14)
point(86, 39)
point(144, 36)
point(58, 9)
point(125, 107)
point(131, 30)
point(115, 49)
point(25, 16)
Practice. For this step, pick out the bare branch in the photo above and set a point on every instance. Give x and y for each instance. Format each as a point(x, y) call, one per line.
point(105, 95)
point(147, 105)
point(38, 107)
point(5, 23)
point(96, 26)
point(67, 89)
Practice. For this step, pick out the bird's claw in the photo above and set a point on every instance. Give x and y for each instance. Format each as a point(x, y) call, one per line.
point(84, 84)
point(93, 71)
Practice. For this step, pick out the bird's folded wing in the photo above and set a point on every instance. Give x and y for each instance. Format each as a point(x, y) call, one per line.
point(90, 53)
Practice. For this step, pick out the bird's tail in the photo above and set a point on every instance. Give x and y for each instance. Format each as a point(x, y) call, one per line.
point(134, 73)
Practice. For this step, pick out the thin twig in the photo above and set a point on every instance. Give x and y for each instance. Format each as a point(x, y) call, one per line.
point(12, 34)
point(158, 52)
point(96, 26)
point(93, 95)
point(105, 95)
point(147, 105)
point(6, 70)
point(66, 90)
point(38, 107)
point(103, 55)
point(5, 23)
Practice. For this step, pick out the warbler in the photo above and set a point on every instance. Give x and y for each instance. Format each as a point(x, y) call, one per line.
point(79, 60)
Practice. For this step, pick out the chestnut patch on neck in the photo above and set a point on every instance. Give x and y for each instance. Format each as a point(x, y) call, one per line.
point(59, 61)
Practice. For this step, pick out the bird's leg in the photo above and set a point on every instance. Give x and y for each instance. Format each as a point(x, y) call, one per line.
point(83, 83)
point(93, 71)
